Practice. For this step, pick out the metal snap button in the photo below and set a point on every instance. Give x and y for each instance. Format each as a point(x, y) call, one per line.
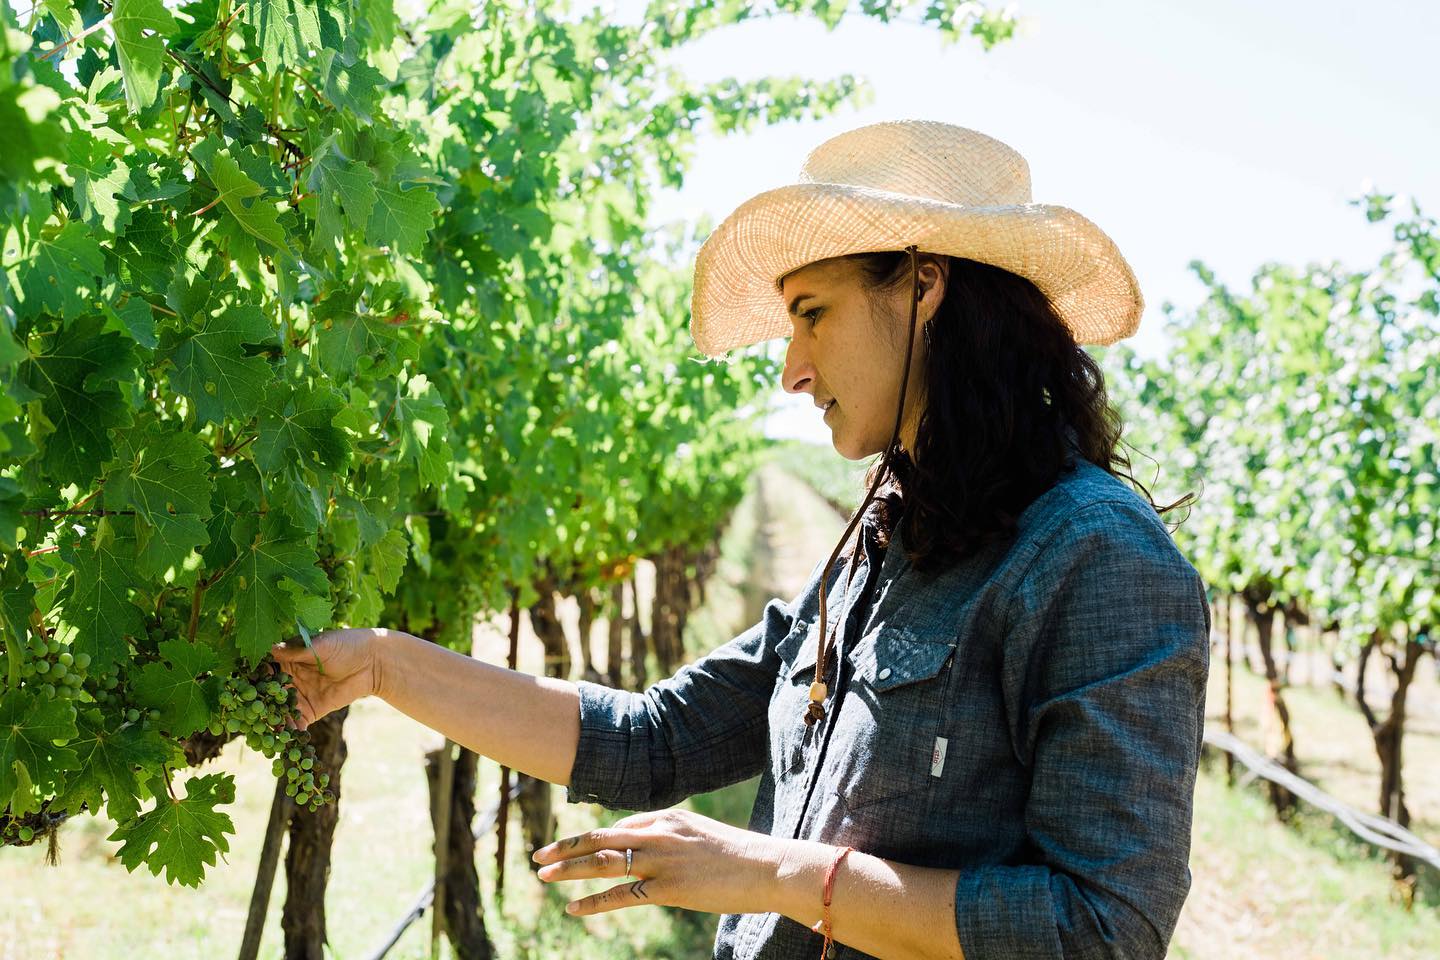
point(884, 674)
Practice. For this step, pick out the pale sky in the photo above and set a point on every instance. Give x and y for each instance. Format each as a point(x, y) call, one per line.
point(1228, 132)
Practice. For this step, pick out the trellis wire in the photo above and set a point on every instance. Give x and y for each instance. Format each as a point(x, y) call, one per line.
point(1373, 828)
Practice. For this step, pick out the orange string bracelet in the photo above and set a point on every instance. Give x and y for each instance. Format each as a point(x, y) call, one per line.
point(823, 925)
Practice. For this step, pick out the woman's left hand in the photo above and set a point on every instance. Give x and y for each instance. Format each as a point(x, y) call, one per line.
point(679, 859)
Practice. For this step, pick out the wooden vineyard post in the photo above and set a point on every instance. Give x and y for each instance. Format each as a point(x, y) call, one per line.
point(443, 802)
point(265, 876)
point(1229, 684)
point(502, 818)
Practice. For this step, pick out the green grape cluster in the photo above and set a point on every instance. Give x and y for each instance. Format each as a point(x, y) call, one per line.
point(342, 572)
point(261, 709)
point(47, 667)
point(170, 621)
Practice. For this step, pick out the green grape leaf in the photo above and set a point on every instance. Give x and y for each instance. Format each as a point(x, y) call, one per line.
point(159, 473)
point(11, 520)
point(340, 184)
point(349, 83)
point(166, 541)
point(295, 427)
point(108, 757)
point(147, 251)
point(178, 687)
point(17, 599)
point(387, 559)
point(402, 217)
point(311, 612)
point(134, 318)
point(180, 837)
point(212, 369)
point(259, 218)
point(61, 271)
point(72, 375)
point(285, 30)
point(29, 727)
point(263, 610)
point(100, 179)
point(352, 344)
point(66, 14)
point(421, 417)
point(96, 600)
point(141, 57)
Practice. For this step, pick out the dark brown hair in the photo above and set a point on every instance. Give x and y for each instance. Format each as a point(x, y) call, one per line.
point(1004, 386)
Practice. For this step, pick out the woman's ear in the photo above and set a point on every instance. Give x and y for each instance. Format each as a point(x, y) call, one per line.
point(933, 275)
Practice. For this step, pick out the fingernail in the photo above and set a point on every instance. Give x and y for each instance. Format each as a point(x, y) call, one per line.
point(571, 907)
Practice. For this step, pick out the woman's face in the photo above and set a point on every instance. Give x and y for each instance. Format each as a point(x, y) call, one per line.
point(849, 355)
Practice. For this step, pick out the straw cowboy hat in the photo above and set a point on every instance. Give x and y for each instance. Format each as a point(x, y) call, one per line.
point(885, 186)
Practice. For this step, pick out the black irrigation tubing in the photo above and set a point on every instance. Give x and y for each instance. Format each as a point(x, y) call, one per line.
point(1373, 828)
point(427, 894)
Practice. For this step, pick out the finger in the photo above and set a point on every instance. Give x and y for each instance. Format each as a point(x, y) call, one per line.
point(585, 843)
point(634, 894)
point(601, 863)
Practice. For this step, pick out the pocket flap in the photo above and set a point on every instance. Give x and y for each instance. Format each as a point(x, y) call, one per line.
point(894, 657)
point(801, 662)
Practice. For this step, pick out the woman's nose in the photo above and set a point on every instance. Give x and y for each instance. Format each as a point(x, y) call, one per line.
point(799, 372)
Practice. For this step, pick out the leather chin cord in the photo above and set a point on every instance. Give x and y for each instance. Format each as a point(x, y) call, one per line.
point(815, 709)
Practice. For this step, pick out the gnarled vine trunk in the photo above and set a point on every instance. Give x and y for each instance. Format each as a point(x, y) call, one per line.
point(307, 862)
point(1389, 734)
point(463, 919)
point(1261, 611)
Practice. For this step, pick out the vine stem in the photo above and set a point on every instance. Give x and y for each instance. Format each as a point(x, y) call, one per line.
point(79, 36)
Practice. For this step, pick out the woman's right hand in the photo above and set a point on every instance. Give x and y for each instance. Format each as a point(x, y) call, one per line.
point(349, 658)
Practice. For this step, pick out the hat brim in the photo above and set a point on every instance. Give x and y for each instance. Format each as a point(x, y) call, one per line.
point(1073, 262)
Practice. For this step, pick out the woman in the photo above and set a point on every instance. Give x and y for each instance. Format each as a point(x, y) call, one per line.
point(997, 712)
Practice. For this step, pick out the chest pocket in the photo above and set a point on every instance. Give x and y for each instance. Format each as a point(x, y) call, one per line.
point(884, 743)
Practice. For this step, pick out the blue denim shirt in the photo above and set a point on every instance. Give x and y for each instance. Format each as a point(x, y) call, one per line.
point(1031, 716)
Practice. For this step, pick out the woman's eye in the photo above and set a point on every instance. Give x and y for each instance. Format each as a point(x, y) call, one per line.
point(811, 315)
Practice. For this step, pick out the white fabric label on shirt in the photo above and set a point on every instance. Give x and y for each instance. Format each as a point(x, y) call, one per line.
point(937, 756)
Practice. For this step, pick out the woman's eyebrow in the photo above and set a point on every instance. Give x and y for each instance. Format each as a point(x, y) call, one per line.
point(798, 297)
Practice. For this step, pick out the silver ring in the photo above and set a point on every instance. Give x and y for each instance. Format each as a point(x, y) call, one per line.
point(629, 854)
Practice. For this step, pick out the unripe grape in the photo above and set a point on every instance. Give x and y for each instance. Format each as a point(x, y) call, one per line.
point(302, 798)
point(82, 660)
point(26, 834)
point(132, 714)
point(52, 646)
point(59, 670)
point(42, 667)
point(291, 789)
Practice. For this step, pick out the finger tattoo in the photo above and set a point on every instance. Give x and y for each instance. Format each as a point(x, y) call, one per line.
point(638, 889)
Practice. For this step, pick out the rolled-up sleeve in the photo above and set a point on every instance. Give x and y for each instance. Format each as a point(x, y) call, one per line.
point(1105, 665)
point(699, 730)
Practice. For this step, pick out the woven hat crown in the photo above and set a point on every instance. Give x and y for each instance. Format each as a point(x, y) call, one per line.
point(937, 186)
point(923, 159)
